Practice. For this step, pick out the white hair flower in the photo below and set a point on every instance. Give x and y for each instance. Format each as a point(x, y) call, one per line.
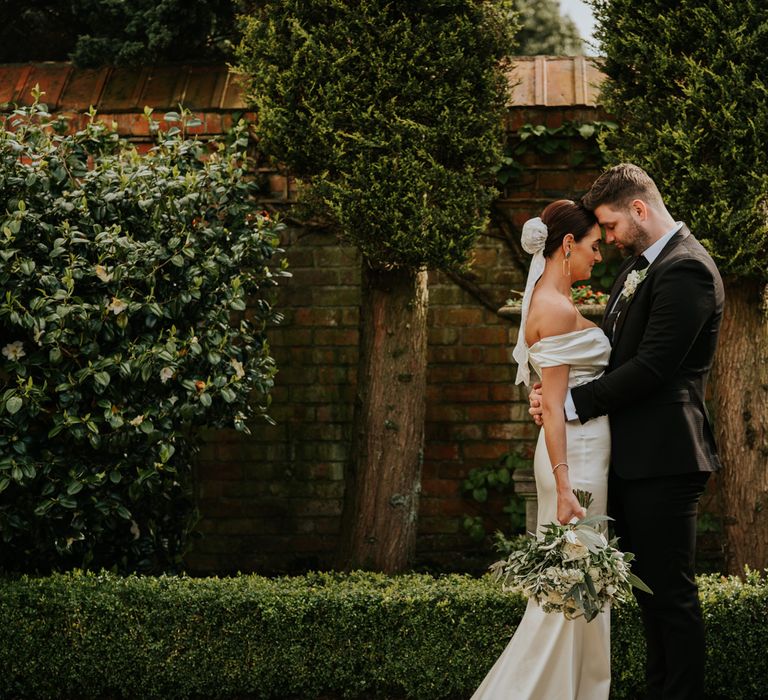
point(534, 236)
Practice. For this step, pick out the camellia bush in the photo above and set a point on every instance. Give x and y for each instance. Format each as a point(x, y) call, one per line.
point(134, 300)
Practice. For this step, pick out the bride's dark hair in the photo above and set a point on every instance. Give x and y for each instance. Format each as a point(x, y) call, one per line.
point(562, 217)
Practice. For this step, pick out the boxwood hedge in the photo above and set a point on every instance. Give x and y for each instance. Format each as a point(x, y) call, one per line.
point(359, 635)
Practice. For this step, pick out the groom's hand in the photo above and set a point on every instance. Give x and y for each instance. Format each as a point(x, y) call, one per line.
point(534, 401)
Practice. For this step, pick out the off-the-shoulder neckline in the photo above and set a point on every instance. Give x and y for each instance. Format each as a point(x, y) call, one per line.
point(565, 335)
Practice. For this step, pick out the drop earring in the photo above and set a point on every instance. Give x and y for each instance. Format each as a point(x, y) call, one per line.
point(567, 264)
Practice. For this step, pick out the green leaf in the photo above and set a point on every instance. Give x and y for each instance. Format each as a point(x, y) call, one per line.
point(166, 452)
point(74, 487)
point(480, 495)
point(13, 404)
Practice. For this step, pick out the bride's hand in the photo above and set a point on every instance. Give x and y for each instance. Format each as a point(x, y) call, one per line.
point(534, 400)
point(568, 507)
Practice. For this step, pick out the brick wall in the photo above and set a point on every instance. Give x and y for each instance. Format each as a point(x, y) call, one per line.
point(272, 502)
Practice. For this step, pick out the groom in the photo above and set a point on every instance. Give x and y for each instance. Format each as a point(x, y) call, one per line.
point(663, 320)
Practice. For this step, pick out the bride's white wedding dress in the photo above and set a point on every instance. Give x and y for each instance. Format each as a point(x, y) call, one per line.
point(549, 657)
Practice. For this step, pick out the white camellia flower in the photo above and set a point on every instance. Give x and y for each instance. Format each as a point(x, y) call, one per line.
point(14, 351)
point(165, 374)
point(116, 306)
point(238, 366)
point(102, 274)
point(138, 420)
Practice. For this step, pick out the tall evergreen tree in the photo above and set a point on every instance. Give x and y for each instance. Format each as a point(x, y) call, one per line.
point(686, 81)
point(391, 114)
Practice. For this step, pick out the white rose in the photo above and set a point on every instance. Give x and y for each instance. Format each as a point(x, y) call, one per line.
point(573, 547)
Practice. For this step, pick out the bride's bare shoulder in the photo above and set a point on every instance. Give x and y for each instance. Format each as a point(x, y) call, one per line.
point(550, 314)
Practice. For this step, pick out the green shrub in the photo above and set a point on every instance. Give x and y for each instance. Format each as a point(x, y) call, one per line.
point(391, 113)
point(124, 328)
point(321, 635)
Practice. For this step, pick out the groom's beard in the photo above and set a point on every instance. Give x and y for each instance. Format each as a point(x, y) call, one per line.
point(637, 239)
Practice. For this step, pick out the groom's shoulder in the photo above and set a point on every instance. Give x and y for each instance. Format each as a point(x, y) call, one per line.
point(691, 259)
point(690, 248)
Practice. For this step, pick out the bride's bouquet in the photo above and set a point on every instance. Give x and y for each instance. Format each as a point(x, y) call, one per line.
point(572, 569)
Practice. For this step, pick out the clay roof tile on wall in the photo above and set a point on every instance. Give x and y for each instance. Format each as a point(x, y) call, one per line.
point(547, 81)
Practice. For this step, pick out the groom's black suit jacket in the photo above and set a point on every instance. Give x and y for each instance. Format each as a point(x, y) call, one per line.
point(663, 348)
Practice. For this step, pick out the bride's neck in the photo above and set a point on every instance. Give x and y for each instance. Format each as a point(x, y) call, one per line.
point(554, 278)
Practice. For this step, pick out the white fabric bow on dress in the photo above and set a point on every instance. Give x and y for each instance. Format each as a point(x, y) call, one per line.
point(534, 239)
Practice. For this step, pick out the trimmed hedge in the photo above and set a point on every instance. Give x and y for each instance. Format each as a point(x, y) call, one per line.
point(81, 635)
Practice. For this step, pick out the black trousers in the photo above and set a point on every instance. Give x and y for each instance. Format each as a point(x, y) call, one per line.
point(656, 520)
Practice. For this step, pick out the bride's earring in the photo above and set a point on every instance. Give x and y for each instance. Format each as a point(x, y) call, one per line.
point(567, 264)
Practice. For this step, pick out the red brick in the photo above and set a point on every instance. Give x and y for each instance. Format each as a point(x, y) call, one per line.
point(443, 336)
point(312, 316)
point(455, 316)
point(438, 525)
point(437, 452)
point(440, 487)
point(485, 336)
point(336, 337)
point(465, 393)
point(485, 450)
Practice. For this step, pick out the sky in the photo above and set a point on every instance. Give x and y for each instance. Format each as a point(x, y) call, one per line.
point(581, 13)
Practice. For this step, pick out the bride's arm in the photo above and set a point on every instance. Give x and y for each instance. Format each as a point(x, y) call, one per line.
point(555, 386)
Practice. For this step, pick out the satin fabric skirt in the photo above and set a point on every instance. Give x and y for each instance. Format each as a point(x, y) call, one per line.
point(549, 657)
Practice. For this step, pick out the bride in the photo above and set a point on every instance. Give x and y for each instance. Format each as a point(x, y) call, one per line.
point(550, 657)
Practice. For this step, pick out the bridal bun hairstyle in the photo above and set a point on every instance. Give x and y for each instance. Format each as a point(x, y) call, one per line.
point(562, 217)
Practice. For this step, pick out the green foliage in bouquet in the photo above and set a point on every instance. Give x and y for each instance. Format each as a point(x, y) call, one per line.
point(571, 568)
point(132, 314)
point(390, 113)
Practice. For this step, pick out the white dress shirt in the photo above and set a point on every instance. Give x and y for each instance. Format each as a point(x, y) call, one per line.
point(650, 254)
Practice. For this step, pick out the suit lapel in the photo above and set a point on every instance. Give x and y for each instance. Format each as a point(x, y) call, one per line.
point(673, 242)
point(615, 291)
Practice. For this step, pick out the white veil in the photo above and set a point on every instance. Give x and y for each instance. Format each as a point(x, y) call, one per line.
point(534, 239)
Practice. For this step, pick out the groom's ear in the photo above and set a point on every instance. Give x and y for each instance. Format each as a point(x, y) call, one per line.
point(639, 208)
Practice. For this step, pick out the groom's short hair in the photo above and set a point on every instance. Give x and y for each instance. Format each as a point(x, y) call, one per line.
point(619, 185)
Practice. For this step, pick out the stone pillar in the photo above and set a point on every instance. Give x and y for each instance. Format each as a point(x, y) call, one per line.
point(525, 487)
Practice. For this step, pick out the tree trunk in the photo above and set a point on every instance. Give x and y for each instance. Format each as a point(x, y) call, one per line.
point(383, 478)
point(741, 392)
